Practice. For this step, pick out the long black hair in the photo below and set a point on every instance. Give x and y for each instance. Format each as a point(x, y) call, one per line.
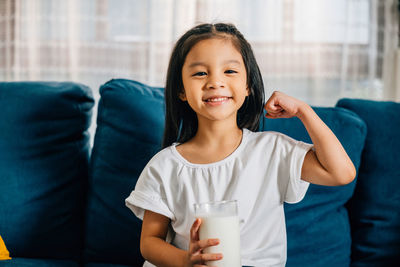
point(180, 119)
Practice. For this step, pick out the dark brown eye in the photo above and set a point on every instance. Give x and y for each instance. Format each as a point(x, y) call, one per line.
point(200, 73)
point(230, 71)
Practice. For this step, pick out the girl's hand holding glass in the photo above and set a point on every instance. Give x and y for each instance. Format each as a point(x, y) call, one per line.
point(195, 256)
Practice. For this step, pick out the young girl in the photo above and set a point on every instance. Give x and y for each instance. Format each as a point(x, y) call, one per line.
point(214, 100)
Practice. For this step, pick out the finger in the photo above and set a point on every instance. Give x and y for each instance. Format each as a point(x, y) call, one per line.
point(202, 244)
point(280, 115)
point(270, 116)
point(273, 102)
point(208, 243)
point(194, 235)
point(273, 108)
point(200, 258)
point(274, 112)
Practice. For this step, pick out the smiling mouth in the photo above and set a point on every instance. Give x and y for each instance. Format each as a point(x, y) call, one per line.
point(217, 99)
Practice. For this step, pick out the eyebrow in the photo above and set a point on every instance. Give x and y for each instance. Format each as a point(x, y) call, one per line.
point(199, 63)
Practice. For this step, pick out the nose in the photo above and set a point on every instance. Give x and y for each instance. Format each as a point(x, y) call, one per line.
point(215, 81)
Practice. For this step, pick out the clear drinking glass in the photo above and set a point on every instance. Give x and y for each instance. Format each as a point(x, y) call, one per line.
point(220, 220)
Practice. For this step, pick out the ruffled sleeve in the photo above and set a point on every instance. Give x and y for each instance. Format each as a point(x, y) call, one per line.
point(149, 193)
point(296, 187)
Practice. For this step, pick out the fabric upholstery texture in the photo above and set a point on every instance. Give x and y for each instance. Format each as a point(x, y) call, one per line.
point(375, 207)
point(108, 265)
point(130, 125)
point(26, 262)
point(318, 230)
point(44, 154)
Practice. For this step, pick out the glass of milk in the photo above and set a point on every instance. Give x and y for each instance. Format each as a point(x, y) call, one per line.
point(220, 220)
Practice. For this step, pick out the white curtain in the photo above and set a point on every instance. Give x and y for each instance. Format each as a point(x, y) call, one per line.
point(316, 50)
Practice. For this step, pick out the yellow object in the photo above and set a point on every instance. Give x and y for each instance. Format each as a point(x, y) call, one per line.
point(4, 254)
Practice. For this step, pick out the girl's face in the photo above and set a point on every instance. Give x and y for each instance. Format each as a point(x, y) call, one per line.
point(214, 80)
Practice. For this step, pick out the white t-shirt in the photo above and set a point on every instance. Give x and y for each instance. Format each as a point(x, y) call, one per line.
point(262, 173)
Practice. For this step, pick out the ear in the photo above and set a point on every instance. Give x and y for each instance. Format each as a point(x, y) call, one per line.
point(182, 96)
point(248, 91)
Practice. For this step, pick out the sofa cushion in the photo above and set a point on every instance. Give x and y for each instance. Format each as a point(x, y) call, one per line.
point(318, 230)
point(44, 154)
point(92, 264)
point(375, 207)
point(129, 130)
point(25, 262)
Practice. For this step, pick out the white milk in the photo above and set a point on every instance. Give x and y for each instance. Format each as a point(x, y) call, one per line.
point(226, 229)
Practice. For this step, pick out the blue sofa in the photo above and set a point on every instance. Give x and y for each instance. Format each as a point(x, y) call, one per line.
point(62, 202)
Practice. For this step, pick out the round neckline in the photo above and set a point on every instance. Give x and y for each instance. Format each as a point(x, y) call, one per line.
point(212, 164)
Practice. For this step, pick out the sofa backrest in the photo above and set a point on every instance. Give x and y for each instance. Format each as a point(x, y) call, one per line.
point(44, 155)
point(129, 129)
point(375, 207)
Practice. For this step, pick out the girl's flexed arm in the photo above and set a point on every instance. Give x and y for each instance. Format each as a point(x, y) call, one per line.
point(329, 164)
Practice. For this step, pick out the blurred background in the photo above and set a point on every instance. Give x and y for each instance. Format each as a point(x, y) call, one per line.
point(316, 50)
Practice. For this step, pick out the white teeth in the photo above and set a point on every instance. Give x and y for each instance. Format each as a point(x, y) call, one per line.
point(217, 99)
